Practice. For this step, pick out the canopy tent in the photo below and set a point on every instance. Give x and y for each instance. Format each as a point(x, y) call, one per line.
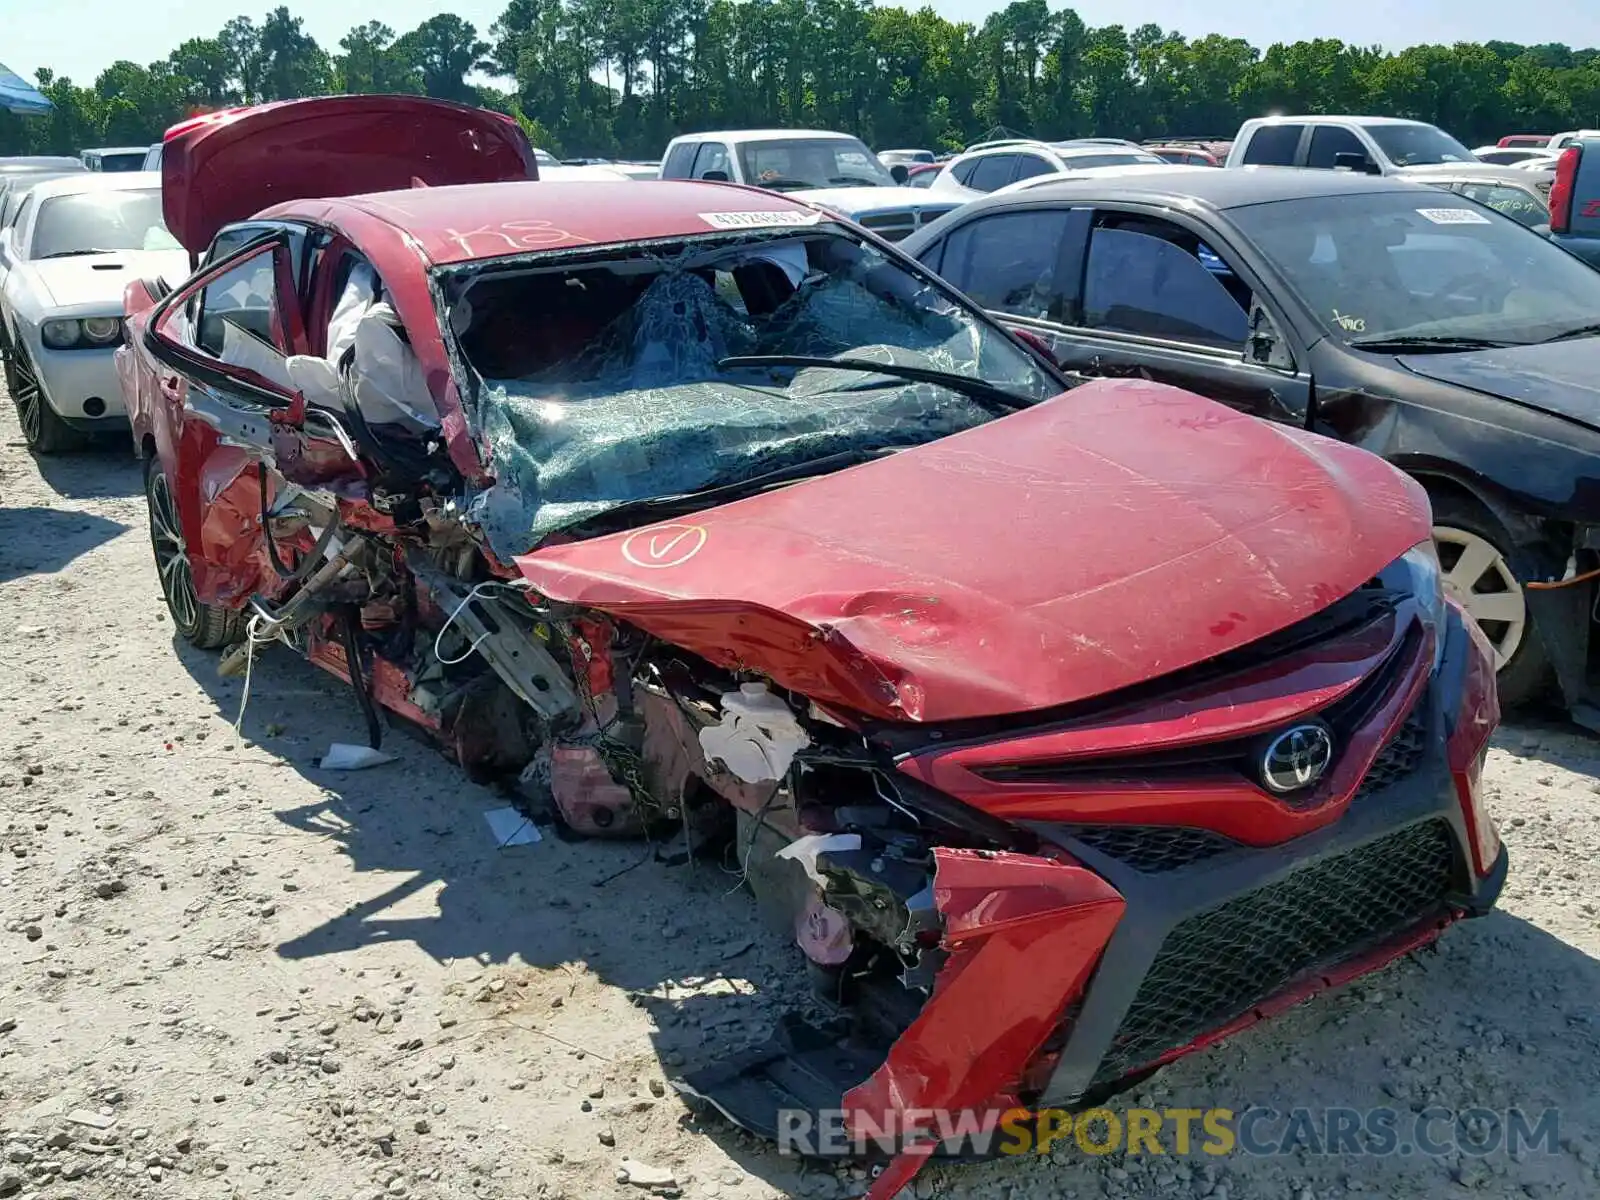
point(20, 96)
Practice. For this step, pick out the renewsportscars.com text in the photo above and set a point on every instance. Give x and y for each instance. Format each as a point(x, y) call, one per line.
point(1256, 1131)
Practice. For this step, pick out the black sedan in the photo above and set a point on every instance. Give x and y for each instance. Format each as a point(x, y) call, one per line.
point(1451, 340)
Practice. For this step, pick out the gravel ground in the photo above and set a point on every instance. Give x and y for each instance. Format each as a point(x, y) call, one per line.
point(223, 971)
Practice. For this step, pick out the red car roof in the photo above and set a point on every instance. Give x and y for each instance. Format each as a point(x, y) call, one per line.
point(476, 221)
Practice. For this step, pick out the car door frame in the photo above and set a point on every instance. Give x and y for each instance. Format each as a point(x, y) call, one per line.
point(1292, 388)
point(192, 365)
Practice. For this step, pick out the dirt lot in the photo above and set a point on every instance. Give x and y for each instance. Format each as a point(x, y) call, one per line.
point(266, 979)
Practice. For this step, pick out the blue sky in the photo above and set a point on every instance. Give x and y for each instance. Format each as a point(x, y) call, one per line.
point(81, 38)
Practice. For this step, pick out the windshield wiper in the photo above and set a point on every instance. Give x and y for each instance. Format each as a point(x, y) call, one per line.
point(996, 399)
point(778, 183)
point(1569, 334)
point(1439, 343)
point(75, 253)
point(654, 507)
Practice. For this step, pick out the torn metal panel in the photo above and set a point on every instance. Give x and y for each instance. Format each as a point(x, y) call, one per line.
point(1024, 934)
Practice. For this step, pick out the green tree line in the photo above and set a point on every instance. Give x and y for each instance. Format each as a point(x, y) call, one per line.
point(620, 77)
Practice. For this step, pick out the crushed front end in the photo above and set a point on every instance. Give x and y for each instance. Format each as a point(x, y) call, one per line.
point(1134, 882)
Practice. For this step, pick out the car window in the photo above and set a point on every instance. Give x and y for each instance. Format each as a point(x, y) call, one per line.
point(1007, 262)
point(1029, 165)
point(17, 204)
point(993, 171)
point(963, 171)
point(93, 221)
point(238, 320)
point(1418, 145)
point(713, 156)
point(789, 163)
point(1330, 140)
point(1138, 282)
point(680, 161)
point(1385, 264)
point(1273, 145)
point(1522, 207)
point(1112, 159)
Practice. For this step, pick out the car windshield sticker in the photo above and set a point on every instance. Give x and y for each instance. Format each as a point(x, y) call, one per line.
point(1453, 216)
point(758, 220)
point(1346, 321)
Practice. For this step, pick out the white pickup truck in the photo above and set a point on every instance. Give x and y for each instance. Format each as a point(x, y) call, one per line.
point(832, 169)
point(1375, 145)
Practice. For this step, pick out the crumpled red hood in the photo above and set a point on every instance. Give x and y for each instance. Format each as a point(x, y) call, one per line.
point(1117, 533)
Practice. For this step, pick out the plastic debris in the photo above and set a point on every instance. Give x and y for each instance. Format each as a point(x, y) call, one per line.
point(805, 850)
point(511, 828)
point(342, 756)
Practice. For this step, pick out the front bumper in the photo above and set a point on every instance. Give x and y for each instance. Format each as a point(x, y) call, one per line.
point(1073, 970)
point(1212, 936)
point(75, 380)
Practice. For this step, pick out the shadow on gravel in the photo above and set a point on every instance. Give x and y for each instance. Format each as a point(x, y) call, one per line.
point(41, 541)
point(637, 922)
point(107, 469)
point(1546, 734)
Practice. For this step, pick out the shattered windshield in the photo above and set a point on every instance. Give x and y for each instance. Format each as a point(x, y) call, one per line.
point(790, 164)
point(598, 382)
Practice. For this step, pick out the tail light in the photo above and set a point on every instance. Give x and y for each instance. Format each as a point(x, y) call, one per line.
point(1468, 746)
point(1561, 189)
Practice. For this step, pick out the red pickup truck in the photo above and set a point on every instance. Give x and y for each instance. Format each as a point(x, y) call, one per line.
point(1575, 200)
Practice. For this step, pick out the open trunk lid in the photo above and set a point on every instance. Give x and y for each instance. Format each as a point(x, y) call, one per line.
point(228, 165)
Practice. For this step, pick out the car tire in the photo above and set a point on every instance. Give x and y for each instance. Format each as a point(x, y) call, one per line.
point(1474, 556)
point(204, 626)
point(42, 428)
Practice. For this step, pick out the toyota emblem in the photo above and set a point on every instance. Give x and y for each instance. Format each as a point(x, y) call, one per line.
point(1296, 758)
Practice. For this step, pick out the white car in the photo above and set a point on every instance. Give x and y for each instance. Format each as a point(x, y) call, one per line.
point(893, 213)
point(817, 165)
point(989, 167)
point(75, 244)
point(1023, 185)
point(1514, 156)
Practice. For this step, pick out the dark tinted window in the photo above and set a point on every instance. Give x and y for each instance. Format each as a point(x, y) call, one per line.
point(1329, 140)
point(91, 221)
point(1418, 145)
point(1007, 262)
point(963, 171)
point(1273, 145)
point(680, 159)
point(1029, 165)
point(992, 172)
point(1138, 283)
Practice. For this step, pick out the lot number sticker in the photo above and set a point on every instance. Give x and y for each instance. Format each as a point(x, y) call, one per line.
point(758, 220)
point(1453, 216)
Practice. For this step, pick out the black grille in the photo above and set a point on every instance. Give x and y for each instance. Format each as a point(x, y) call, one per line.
point(1152, 849)
point(1401, 757)
point(1221, 963)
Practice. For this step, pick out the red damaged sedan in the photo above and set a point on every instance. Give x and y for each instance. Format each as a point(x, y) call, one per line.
point(1070, 728)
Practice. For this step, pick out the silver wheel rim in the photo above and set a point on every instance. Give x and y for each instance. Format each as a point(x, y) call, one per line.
point(27, 397)
point(1477, 577)
point(172, 555)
